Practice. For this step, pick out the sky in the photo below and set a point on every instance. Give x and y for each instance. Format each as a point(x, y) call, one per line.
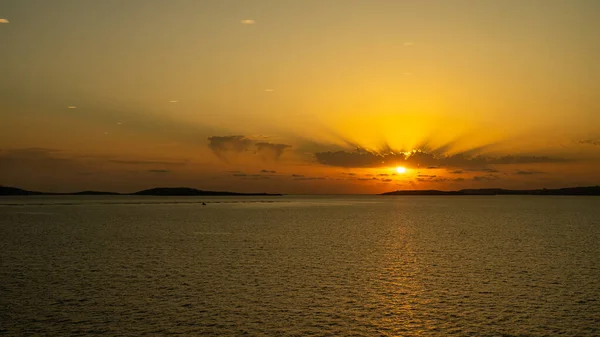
point(299, 96)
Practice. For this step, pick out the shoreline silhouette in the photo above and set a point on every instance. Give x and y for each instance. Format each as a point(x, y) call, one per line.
point(186, 191)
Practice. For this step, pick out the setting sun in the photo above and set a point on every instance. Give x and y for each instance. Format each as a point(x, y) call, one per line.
point(401, 169)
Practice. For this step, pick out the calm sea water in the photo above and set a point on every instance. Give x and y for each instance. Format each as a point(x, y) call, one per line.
point(301, 266)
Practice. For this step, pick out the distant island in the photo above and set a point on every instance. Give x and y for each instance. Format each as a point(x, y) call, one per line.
point(590, 190)
point(160, 191)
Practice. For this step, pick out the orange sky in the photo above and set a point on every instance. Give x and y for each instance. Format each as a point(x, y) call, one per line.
point(304, 96)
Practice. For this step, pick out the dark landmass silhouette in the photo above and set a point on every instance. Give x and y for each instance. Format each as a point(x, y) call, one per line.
point(161, 191)
point(589, 190)
point(5, 190)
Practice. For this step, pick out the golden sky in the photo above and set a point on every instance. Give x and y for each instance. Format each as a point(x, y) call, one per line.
point(299, 96)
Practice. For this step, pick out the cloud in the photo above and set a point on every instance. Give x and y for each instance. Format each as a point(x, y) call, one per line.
point(257, 177)
point(222, 144)
point(248, 22)
point(268, 171)
point(365, 158)
point(457, 172)
point(269, 90)
point(590, 142)
point(486, 178)
point(146, 162)
point(309, 178)
point(270, 150)
point(38, 160)
point(4, 21)
point(71, 107)
point(250, 176)
point(174, 101)
point(523, 172)
point(298, 175)
point(386, 180)
point(159, 171)
point(485, 169)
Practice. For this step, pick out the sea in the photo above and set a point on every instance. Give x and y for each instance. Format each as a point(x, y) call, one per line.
point(300, 266)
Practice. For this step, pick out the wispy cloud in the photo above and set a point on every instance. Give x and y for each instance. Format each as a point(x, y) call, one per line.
point(486, 178)
point(174, 101)
point(590, 142)
point(159, 171)
point(309, 178)
point(145, 162)
point(268, 171)
point(269, 90)
point(524, 172)
point(71, 107)
point(248, 22)
point(3, 21)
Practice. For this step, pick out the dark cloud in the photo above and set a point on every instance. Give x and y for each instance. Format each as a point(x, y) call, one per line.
point(270, 151)
point(457, 172)
point(240, 174)
point(590, 142)
point(223, 144)
point(365, 179)
point(268, 171)
point(159, 171)
point(383, 175)
point(349, 174)
point(524, 172)
point(386, 180)
point(364, 158)
point(426, 176)
point(297, 175)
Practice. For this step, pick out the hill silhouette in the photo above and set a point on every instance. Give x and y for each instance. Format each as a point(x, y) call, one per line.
point(159, 191)
point(590, 190)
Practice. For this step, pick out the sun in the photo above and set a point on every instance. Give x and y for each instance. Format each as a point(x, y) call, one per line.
point(401, 169)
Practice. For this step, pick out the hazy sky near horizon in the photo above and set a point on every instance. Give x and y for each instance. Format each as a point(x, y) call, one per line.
point(299, 96)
